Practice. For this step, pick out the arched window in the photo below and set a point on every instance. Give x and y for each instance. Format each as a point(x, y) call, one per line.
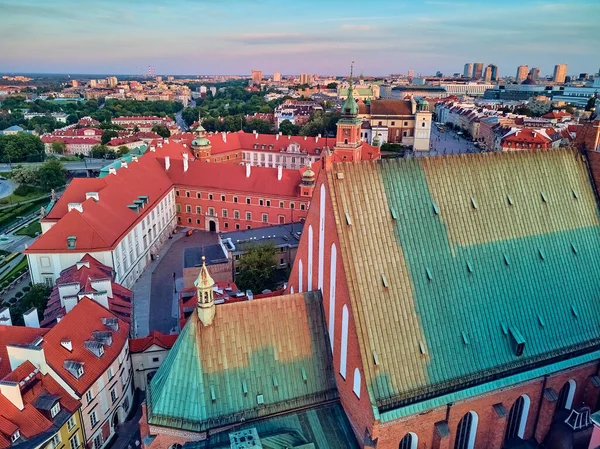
point(517, 418)
point(565, 397)
point(344, 345)
point(466, 431)
point(410, 441)
point(300, 276)
point(356, 386)
point(310, 259)
point(332, 285)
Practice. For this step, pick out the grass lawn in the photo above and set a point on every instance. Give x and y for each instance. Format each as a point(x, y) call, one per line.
point(31, 229)
point(14, 198)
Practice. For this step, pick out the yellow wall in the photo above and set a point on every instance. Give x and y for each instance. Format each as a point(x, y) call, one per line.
point(66, 434)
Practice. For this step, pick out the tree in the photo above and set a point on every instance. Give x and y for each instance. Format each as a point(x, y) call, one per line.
point(51, 175)
point(72, 119)
point(102, 152)
point(332, 86)
point(190, 115)
point(21, 147)
point(58, 147)
point(24, 175)
point(288, 128)
point(123, 150)
point(36, 297)
point(107, 135)
point(260, 126)
point(258, 270)
point(591, 103)
point(161, 130)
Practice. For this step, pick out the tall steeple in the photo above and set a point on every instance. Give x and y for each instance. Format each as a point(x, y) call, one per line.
point(204, 289)
point(348, 144)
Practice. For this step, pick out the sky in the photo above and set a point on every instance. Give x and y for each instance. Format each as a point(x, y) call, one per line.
point(198, 37)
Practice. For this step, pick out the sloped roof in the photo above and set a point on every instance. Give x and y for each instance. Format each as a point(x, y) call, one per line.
point(15, 335)
point(155, 338)
point(78, 326)
point(391, 107)
point(273, 351)
point(477, 251)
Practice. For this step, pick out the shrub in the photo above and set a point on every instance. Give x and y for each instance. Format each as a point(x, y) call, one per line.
point(23, 190)
point(12, 300)
point(18, 294)
point(26, 288)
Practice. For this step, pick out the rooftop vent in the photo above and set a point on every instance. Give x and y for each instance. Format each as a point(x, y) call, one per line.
point(71, 242)
point(303, 374)
point(517, 341)
point(245, 439)
point(510, 200)
point(469, 266)
point(67, 344)
point(74, 367)
point(436, 209)
point(544, 199)
point(93, 195)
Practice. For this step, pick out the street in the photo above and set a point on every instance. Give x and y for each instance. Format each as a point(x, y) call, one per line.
point(95, 164)
point(447, 142)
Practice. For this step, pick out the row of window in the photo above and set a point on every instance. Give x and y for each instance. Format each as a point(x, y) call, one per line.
point(225, 212)
point(73, 440)
point(235, 199)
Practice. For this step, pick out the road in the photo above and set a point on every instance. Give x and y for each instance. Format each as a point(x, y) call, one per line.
point(179, 120)
point(93, 164)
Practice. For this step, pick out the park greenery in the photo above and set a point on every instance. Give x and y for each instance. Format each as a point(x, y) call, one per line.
point(161, 130)
point(258, 271)
point(37, 296)
point(47, 176)
point(21, 147)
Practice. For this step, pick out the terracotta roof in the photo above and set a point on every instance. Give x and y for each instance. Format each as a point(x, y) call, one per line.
point(75, 193)
point(391, 107)
point(155, 338)
point(15, 335)
point(465, 255)
point(232, 177)
point(78, 327)
point(85, 273)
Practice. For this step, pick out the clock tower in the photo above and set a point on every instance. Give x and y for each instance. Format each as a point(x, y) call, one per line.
point(348, 144)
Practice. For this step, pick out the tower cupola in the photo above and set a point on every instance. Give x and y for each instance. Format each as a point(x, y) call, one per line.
point(204, 289)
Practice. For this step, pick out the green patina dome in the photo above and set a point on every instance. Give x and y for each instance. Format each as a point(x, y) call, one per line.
point(350, 107)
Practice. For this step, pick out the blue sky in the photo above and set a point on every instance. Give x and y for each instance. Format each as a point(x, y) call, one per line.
point(236, 36)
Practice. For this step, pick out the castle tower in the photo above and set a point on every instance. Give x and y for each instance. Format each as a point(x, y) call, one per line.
point(307, 186)
point(348, 144)
point(422, 131)
point(201, 145)
point(206, 301)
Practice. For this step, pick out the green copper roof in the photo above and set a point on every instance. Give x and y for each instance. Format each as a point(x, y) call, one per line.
point(257, 358)
point(325, 426)
point(360, 91)
point(491, 261)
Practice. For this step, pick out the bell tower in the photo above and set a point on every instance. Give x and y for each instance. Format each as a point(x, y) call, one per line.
point(201, 145)
point(348, 144)
point(204, 290)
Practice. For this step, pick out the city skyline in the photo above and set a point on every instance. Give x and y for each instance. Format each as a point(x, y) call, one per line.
point(235, 37)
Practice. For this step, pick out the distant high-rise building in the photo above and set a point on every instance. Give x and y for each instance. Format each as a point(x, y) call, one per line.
point(158, 79)
point(170, 78)
point(93, 83)
point(74, 83)
point(535, 73)
point(277, 77)
point(468, 71)
point(491, 73)
point(477, 70)
point(522, 71)
point(583, 76)
point(112, 81)
point(411, 73)
point(304, 78)
point(256, 76)
point(560, 73)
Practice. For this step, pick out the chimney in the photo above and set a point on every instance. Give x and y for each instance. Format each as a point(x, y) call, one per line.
point(224, 136)
point(112, 171)
point(317, 138)
point(279, 172)
point(134, 158)
point(167, 162)
point(72, 206)
point(123, 163)
point(248, 168)
point(31, 318)
point(289, 136)
point(5, 317)
point(12, 392)
point(185, 162)
point(166, 140)
point(93, 195)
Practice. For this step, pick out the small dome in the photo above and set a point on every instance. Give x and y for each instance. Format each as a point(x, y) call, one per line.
point(202, 142)
point(350, 106)
point(308, 174)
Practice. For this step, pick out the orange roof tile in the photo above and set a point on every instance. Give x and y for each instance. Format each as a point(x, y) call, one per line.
point(15, 335)
point(155, 338)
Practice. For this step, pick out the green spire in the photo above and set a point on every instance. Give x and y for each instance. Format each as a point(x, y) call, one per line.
point(375, 139)
point(350, 108)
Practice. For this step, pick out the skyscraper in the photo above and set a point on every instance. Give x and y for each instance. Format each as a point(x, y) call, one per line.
point(560, 73)
point(535, 73)
point(477, 70)
point(304, 78)
point(522, 73)
point(411, 73)
point(468, 71)
point(491, 73)
point(256, 76)
point(277, 77)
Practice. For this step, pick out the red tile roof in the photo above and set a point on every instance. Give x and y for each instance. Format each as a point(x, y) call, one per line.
point(78, 326)
point(232, 177)
point(75, 193)
point(84, 273)
point(15, 335)
point(391, 107)
point(155, 338)
point(30, 421)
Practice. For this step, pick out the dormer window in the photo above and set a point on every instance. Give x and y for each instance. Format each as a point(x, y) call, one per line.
point(15, 436)
point(79, 372)
point(54, 410)
point(74, 367)
point(95, 347)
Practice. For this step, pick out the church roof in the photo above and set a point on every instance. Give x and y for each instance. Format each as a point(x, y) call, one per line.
point(479, 266)
point(257, 358)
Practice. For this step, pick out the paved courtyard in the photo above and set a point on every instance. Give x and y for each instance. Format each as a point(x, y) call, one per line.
point(155, 296)
point(447, 142)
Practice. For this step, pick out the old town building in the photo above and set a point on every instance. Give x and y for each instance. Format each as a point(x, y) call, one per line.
point(460, 297)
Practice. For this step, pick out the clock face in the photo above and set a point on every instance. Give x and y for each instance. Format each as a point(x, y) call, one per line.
point(346, 132)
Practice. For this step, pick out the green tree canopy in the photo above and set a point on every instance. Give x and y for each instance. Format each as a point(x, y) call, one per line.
point(58, 147)
point(288, 128)
point(107, 135)
point(123, 150)
point(261, 126)
point(24, 175)
point(332, 86)
point(36, 297)
point(161, 130)
point(258, 270)
point(51, 175)
point(21, 147)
